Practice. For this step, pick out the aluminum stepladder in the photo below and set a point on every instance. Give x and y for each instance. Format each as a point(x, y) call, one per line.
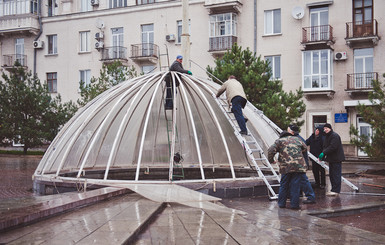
point(166, 66)
point(254, 152)
point(314, 158)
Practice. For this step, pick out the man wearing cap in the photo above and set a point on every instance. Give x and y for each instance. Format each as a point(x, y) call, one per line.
point(304, 181)
point(291, 167)
point(333, 153)
point(236, 97)
point(178, 67)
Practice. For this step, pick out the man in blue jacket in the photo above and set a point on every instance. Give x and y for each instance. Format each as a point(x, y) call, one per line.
point(333, 153)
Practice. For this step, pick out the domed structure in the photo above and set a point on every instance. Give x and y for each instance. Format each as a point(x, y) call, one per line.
point(126, 135)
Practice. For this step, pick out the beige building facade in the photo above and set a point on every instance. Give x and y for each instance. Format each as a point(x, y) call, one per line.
point(332, 49)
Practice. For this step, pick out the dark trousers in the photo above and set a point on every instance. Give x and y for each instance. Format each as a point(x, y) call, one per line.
point(169, 93)
point(238, 103)
point(335, 175)
point(290, 184)
point(319, 174)
point(306, 187)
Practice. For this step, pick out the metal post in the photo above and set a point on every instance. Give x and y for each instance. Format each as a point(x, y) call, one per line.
point(185, 35)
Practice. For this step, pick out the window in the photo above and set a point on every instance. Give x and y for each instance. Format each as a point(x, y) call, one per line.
point(223, 25)
point(19, 51)
point(179, 30)
point(84, 41)
point(363, 11)
point(85, 77)
point(85, 5)
point(118, 3)
point(147, 69)
point(147, 40)
point(118, 51)
point(365, 130)
point(272, 21)
point(275, 65)
point(52, 7)
point(363, 68)
point(319, 22)
point(52, 82)
point(52, 44)
point(317, 69)
point(139, 2)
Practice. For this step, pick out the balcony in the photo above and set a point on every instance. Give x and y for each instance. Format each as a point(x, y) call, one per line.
point(362, 33)
point(12, 61)
point(18, 16)
point(316, 37)
point(360, 83)
point(222, 6)
point(144, 52)
point(115, 53)
point(219, 45)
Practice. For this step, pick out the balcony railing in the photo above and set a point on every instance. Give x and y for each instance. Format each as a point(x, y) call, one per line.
point(18, 7)
point(9, 60)
point(322, 33)
point(361, 29)
point(361, 81)
point(144, 50)
point(222, 43)
point(114, 53)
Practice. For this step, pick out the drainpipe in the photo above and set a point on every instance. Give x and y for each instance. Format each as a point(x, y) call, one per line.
point(255, 26)
point(37, 37)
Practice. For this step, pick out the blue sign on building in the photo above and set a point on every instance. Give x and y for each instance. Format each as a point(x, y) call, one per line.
point(341, 117)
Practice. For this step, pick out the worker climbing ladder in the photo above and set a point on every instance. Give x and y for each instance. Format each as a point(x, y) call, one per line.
point(254, 153)
point(173, 141)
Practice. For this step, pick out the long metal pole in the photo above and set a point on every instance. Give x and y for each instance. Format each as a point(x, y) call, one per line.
point(185, 35)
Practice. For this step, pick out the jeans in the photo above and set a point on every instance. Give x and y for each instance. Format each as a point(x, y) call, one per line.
point(289, 182)
point(306, 187)
point(335, 169)
point(238, 103)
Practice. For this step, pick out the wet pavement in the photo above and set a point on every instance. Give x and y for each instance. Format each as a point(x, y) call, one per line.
point(350, 218)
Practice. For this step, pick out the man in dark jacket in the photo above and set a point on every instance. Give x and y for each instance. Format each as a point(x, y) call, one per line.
point(315, 141)
point(176, 66)
point(291, 166)
point(333, 153)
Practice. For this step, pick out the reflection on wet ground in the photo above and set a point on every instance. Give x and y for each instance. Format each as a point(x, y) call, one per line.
point(16, 175)
point(122, 218)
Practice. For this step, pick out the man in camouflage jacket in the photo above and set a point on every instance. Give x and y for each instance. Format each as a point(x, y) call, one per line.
point(291, 165)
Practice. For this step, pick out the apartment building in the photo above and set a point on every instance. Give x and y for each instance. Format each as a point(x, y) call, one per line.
point(332, 49)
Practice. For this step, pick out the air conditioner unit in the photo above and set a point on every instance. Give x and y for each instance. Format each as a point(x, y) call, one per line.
point(99, 35)
point(170, 38)
point(99, 45)
point(94, 2)
point(340, 56)
point(38, 44)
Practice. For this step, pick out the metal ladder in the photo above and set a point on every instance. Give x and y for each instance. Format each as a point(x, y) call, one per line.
point(167, 66)
point(254, 152)
point(177, 165)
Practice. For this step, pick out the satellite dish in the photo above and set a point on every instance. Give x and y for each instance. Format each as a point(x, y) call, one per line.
point(298, 12)
point(100, 24)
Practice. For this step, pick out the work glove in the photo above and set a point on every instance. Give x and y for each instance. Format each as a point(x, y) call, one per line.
point(189, 72)
point(321, 156)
